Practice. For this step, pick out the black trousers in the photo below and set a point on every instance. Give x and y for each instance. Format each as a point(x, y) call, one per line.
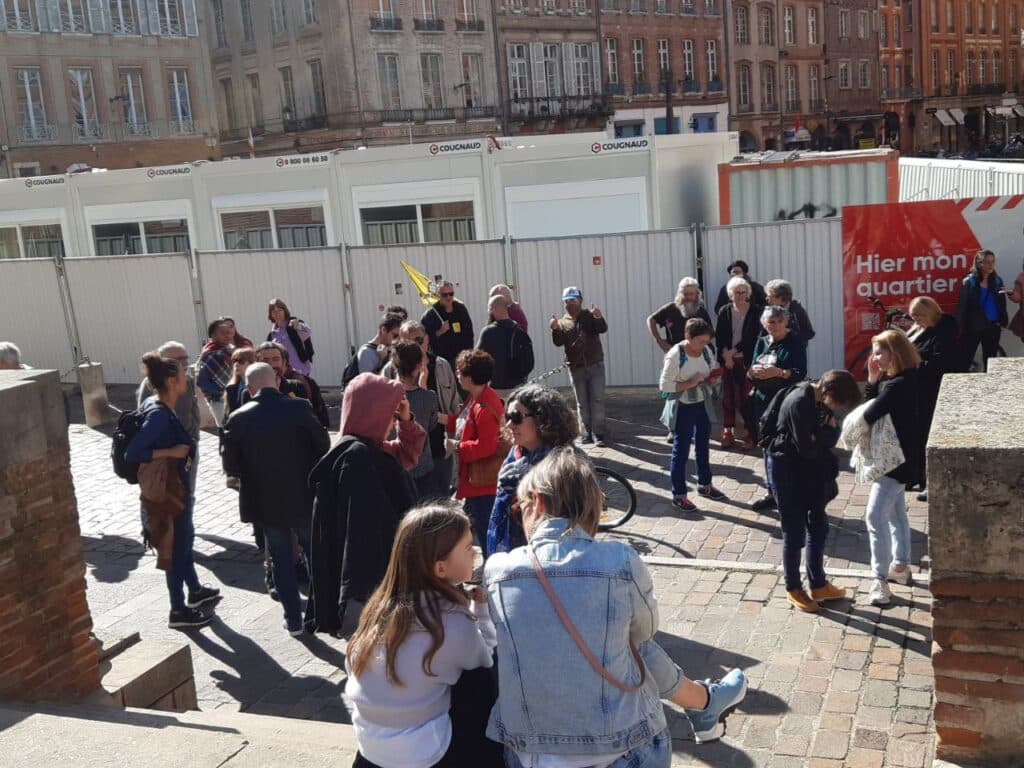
point(473, 697)
point(988, 338)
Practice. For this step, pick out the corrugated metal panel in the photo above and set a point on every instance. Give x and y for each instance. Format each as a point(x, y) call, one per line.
point(637, 274)
point(933, 179)
point(803, 189)
point(129, 305)
point(241, 284)
point(375, 271)
point(809, 254)
point(31, 314)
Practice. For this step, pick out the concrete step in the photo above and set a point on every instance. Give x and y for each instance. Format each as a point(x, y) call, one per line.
point(98, 737)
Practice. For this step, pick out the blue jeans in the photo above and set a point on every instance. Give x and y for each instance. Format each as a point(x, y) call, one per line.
point(479, 511)
point(692, 425)
point(588, 387)
point(657, 753)
point(279, 543)
point(803, 519)
point(888, 526)
point(182, 572)
point(760, 406)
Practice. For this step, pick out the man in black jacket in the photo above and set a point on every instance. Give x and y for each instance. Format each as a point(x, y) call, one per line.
point(510, 347)
point(803, 470)
point(448, 325)
point(270, 444)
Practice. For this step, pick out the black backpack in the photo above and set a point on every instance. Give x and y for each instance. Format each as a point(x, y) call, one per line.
point(768, 426)
point(352, 369)
point(521, 349)
point(128, 425)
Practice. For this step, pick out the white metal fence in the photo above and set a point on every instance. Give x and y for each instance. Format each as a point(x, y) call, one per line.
point(809, 254)
point(928, 179)
point(32, 313)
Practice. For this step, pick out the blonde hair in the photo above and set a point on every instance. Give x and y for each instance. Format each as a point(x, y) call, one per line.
point(902, 352)
point(565, 479)
point(925, 305)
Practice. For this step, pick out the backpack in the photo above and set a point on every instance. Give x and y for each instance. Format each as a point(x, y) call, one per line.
point(768, 426)
point(128, 425)
point(304, 349)
point(521, 361)
point(352, 369)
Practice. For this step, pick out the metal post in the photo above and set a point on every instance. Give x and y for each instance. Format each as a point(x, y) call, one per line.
point(68, 308)
point(198, 299)
point(348, 291)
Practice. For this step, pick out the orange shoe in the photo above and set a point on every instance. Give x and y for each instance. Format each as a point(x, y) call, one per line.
point(828, 592)
point(800, 599)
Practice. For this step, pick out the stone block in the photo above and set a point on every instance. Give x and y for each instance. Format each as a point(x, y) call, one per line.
point(148, 671)
point(94, 395)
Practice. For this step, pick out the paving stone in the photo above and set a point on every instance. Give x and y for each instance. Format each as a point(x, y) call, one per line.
point(879, 693)
point(912, 698)
point(870, 739)
point(864, 758)
point(830, 744)
point(846, 680)
point(802, 703)
point(792, 744)
point(841, 701)
point(851, 660)
point(831, 721)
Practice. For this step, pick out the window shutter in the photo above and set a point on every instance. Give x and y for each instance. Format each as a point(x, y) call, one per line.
point(153, 11)
point(99, 14)
point(142, 15)
point(569, 69)
point(536, 65)
point(191, 26)
point(3, 16)
point(53, 12)
point(595, 68)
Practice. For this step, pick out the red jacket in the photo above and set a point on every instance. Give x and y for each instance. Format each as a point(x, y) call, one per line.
point(479, 440)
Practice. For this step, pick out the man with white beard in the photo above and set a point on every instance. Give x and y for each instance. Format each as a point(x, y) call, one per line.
point(672, 317)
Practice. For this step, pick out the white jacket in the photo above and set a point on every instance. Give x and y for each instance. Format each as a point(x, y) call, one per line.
point(876, 447)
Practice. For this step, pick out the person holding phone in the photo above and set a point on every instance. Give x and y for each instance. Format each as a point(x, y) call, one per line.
point(688, 372)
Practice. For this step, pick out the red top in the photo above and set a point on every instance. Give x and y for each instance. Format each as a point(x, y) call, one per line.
point(479, 440)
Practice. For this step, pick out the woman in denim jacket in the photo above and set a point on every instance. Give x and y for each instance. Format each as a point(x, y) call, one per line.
point(556, 708)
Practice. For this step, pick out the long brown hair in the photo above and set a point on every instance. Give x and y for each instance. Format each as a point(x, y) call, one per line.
point(903, 353)
point(411, 594)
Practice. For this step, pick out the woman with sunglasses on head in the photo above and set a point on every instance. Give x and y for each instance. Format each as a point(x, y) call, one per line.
point(540, 420)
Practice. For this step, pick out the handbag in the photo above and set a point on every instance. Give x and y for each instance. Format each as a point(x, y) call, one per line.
point(484, 472)
point(575, 635)
point(668, 414)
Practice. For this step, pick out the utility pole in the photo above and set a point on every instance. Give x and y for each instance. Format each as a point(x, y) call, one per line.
point(666, 81)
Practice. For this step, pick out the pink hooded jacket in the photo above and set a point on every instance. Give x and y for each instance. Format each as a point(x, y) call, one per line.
point(368, 411)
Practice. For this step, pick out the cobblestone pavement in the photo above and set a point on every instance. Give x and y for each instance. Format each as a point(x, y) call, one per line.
point(846, 687)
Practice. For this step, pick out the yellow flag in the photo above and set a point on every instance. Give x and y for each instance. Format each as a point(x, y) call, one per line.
point(422, 284)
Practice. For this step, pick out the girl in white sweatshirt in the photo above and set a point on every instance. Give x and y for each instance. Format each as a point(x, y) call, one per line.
point(417, 636)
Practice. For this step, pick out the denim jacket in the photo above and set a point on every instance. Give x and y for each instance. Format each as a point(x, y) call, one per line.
point(550, 700)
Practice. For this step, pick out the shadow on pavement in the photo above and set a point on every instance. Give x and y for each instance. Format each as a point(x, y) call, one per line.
point(112, 558)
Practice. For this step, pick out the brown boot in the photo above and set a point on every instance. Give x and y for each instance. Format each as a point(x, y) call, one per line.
point(828, 592)
point(727, 439)
point(800, 599)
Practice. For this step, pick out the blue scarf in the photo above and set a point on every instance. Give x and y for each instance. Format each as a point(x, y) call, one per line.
point(504, 533)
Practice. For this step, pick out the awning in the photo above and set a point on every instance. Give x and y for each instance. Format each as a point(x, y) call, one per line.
point(943, 117)
point(802, 135)
point(958, 115)
point(1019, 109)
point(852, 118)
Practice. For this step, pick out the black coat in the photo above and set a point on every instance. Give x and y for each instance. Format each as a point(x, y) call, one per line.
point(899, 398)
point(270, 444)
point(751, 330)
point(361, 493)
point(458, 338)
point(512, 351)
point(939, 356)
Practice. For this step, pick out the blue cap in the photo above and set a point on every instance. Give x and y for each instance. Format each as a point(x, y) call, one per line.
point(572, 293)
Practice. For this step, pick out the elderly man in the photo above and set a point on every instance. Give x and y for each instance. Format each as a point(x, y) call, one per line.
point(448, 324)
point(515, 312)
point(271, 444)
point(10, 357)
point(739, 268)
point(579, 331)
point(510, 347)
point(672, 317)
point(780, 294)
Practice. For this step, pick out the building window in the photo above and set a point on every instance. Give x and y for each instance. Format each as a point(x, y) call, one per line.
point(611, 54)
point(863, 77)
point(788, 25)
point(933, 11)
point(897, 31)
point(813, 81)
point(472, 79)
point(133, 102)
point(38, 241)
point(950, 66)
point(122, 17)
point(712, 54)
point(171, 18)
point(551, 66)
point(996, 67)
point(32, 124)
point(136, 238)
point(883, 31)
point(227, 93)
point(969, 68)
point(688, 73)
point(639, 70)
point(812, 26)
point(430, 77)
point(742, 25)
point(883, 77)
point(899, 76)
point(663, 62)
point(467, 10)
point(428, 223)
point(766, 26)
point(950, 18)
point(287, 90)
point(181, 103)
point(768, 101)
point(1011, 70)
point(1013, 18)
point(935, 72)
point(316, 77)
point(72, 16)
point(429, 9)
point(583, 67)
point(844, 75)
point(743, 86)
point(982, 67)
point(387, 73)
point(219, 27)
point(247, 29)
point(19, 16)
point(968, 17)
point(518, 72)
point(981, 17)
point(792, 92)
point(844, 23)
point(83, 103)
point(301, 227)
point(995, 17)
point(863, 25)
point(309, 12)
point(255, 101)
point(279, 16)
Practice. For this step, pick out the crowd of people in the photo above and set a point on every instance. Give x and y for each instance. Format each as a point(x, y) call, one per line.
point(443, 443)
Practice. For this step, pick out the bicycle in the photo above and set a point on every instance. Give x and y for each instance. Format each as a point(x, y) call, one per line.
point(619, 498)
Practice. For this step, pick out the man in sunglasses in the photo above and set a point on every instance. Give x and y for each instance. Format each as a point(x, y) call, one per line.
point(448, 325)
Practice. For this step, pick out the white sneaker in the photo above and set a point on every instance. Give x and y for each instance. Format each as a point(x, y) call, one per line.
point(880, 593)
point(900, 577)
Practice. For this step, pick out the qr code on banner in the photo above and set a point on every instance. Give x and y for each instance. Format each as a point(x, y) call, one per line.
point(870, 321)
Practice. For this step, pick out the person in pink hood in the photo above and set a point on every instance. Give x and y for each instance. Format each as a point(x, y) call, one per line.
point(361, 491)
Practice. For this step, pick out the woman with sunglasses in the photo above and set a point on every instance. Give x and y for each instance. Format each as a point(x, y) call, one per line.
point(540, 420)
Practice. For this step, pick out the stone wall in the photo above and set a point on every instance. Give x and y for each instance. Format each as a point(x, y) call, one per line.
point(976, 528)
point(46, 650)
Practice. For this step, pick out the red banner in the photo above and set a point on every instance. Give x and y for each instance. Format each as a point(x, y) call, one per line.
point(895, 252)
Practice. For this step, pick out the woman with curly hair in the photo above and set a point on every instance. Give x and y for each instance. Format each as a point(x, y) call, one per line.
point(539, 419)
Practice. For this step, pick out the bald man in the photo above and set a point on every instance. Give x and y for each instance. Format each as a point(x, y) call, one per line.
point(509, 345)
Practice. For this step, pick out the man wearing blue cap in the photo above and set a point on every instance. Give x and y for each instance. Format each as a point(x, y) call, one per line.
point(578, 331)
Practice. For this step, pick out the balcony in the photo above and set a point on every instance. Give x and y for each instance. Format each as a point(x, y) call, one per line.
point(791, 107)
point(691, 87)
point(558, 107)
point(385, 24)
point(817, 105)
point(73, 23)
point(904, 93)
point(396, 115)
point(664, 87)
point(715, 86)
point(293, 124)
point(469, 25)
point(769, 106)
point(438, 113)
point(985, 89)
point(688, 9)
point(641, 89)
point(712, 10)
point(610, 6)
point(476, 113)
point(135, 130)
point(615, 89)
point(637, 6)
point(744, 109)
point(182, 128)
point(428, 25)
point(88, 130)
point(36, 133)
point(19, 22)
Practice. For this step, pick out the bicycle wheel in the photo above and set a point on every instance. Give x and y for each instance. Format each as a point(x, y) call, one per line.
point(619, 499)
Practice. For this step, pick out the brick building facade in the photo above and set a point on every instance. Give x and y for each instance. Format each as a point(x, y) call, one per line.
point(853, 78)
point(110, 85)
point(654, 51)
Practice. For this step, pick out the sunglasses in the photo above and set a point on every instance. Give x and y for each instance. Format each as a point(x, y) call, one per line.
point(517, 417)
point(447, 294)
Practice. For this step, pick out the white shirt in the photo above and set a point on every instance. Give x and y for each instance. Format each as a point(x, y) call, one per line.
point(673, 373)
